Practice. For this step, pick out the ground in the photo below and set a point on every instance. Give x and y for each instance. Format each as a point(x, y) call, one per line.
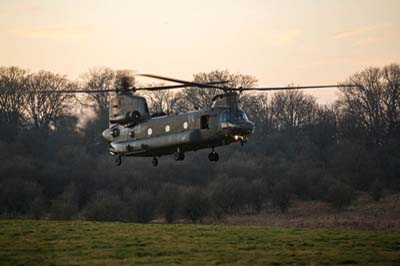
point(363, 214)
point(26, 242)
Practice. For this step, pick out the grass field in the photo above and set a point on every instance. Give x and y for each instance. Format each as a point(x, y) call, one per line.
point(24, 242)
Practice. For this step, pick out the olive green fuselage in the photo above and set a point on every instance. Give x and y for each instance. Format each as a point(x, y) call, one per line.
point(134, 132)
point(182, 132)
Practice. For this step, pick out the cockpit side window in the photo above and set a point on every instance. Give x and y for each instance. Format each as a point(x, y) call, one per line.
point(233, 117)
point(223, 117)
point(244, 116)
point(146, 108)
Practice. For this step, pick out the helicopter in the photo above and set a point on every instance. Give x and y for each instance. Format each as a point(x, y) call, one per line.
point(133, 131)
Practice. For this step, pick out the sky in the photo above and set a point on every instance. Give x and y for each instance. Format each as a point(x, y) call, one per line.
point(301, 42)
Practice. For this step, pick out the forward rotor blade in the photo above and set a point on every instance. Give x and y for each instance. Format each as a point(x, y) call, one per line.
point(296, 87)
point(188, 83)
point(156, 88)
point(74, 91)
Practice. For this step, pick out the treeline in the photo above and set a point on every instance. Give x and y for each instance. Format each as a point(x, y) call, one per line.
point(52, 168)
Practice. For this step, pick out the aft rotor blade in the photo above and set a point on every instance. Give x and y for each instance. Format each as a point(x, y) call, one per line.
point(296, 87)
point(188, 83)
point(158, 88)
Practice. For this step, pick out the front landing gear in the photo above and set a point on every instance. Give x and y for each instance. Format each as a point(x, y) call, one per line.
point(179, 155)
point(118, 161)
point(213, 156)
point(154, 162)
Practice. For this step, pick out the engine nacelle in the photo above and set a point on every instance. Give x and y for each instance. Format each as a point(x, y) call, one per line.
point(127, 108)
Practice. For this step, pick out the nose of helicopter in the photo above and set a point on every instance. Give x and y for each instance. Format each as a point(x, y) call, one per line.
point(246, 128)
point(239, 129)
point(108, 134)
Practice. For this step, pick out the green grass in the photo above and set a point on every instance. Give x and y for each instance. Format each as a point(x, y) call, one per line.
point(24, 242)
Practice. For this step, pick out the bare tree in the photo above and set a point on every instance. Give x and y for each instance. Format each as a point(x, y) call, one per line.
point(202, 98)
point(164, 101)
point(293, 109)
point(98, 79)
point(325, 126)
point(13, 87)
point(374, 104)
point(102, 78)
point(43, 109)
point(391, 82)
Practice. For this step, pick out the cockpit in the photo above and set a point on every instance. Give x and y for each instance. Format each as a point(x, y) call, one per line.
point(234, 117)
point(236, 124)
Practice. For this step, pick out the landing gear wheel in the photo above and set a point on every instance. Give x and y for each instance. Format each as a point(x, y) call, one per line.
point(213, 157)
point(118, 161)
point(179, 156)
point(154, 162)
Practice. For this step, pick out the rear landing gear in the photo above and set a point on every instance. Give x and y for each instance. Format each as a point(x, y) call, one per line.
point(179, 156)
point(213, 156)
point(118, 161)
point(154, 162)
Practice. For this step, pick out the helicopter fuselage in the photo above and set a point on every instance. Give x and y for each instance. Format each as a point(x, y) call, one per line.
point(181, 132)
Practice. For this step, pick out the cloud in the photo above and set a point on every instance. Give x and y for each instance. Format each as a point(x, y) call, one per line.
point(287, 37)
point(365, 41)
point(49, 31)
point(355, 32)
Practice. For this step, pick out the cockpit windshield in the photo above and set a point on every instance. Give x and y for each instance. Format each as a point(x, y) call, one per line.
point(234, 117)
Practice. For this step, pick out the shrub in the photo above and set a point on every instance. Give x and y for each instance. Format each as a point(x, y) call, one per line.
point(258, 194)
point(195, 205)
point(281, 195)
point(104, 207)
point(229, 194)
point(169, 202)
point(16, 196)
point(376, 190)
point(38, 207)
point(142, 207)
point(65, 207)
point(340, 195)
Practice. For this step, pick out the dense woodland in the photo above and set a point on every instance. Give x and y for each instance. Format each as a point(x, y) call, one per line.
point(54, 163)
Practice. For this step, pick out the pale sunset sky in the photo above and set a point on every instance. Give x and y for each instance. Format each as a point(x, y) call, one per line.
point(304, 42)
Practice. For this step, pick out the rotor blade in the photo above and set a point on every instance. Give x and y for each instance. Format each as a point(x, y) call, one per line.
point(296, 87)
point(74, 91)
point(131, 89)
point(157, 88)
point(216, 82)
point(188, 83)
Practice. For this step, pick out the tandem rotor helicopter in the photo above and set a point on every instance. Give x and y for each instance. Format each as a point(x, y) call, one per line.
point(133, 131)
